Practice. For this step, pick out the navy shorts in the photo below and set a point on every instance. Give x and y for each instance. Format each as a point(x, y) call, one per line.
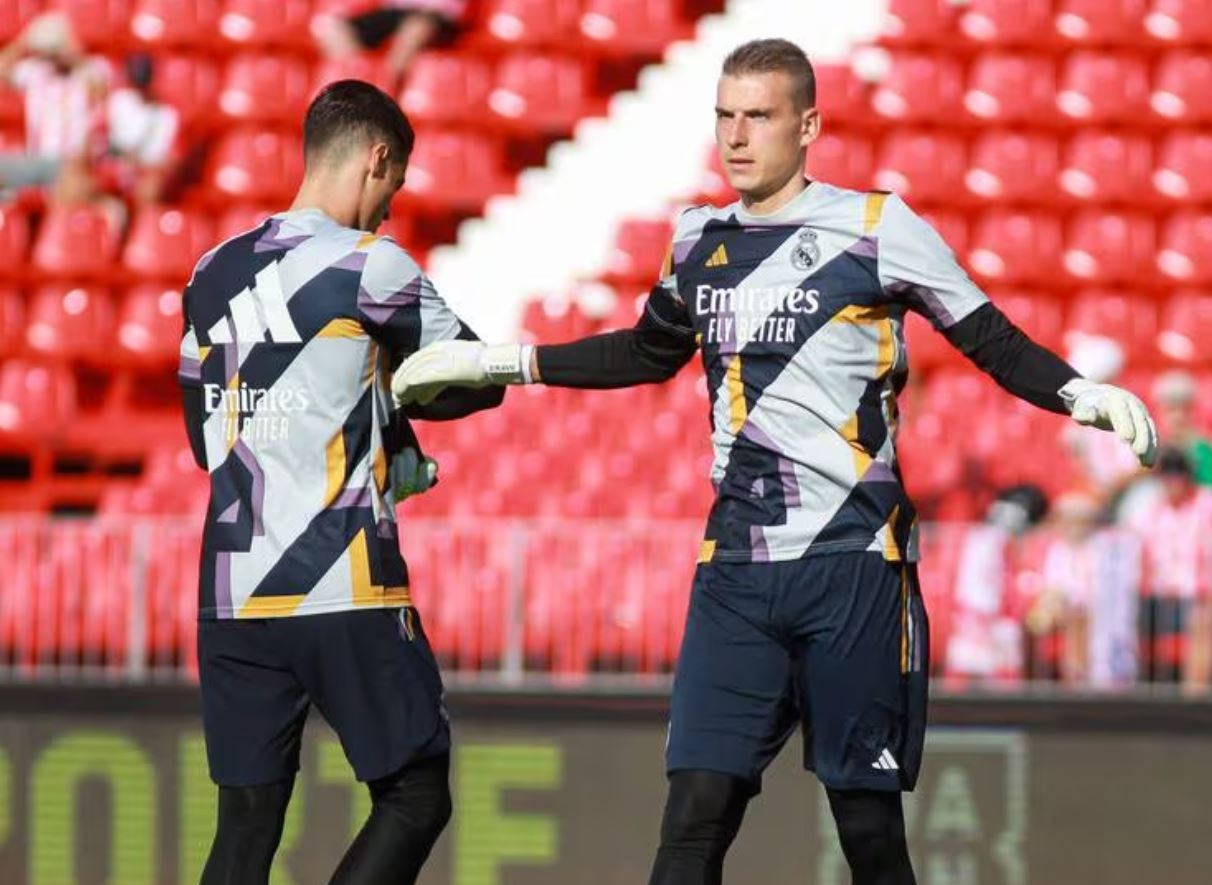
point(370, 673)
point(837, 644)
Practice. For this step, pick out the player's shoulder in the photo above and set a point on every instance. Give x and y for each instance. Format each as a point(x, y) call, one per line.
point(389, 267)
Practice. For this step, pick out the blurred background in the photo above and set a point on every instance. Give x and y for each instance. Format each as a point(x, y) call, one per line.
point(1063, 148)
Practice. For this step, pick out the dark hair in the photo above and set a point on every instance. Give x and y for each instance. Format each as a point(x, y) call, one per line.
point(350, 111)
point(767, 56)
point(1174, 462)
point(140, 70)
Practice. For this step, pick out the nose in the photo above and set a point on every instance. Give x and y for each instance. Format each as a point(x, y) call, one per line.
point(738, 132)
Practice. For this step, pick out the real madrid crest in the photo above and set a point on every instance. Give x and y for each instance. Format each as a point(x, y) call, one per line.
point(807, 252)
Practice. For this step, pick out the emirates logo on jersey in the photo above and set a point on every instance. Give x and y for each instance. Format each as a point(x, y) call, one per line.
point(255, 414)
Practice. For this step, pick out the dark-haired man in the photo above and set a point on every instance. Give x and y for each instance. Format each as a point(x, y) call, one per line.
point(805, 608)
point(290, 333)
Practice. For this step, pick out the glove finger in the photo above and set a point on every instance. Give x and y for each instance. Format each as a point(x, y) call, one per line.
point(1140, 427)
point(1149, 456)
point(1121, 421)
point(1084, 413)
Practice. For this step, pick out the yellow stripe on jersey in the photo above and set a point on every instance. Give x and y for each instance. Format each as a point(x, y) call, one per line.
point(204, 352)
point(706, 551)
point(334, 467)
point(343, 327)
point(367, 240)
point(873, 210)
point(231, 426)
point(737, 410)
point(667, 264)
point(862, 458)
point(905, 643)
point(862, 315)
point(380, 470)
point(892, 553)
point(270, 606)
point(364, 592)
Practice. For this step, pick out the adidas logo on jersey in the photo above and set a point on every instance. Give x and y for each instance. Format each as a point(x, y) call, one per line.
point(719, 258)
point(257, 315)
point(886, 762)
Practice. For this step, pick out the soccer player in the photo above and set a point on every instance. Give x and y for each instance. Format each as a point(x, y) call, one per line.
point(290, 333)
point(805, 606)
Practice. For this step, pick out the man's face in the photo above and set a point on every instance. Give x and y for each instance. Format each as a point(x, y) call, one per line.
point(1177, 418)
point(760, 132)
point(386, 177)
point(1178, 487)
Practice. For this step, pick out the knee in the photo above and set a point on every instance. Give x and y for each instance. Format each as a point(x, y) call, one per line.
point(869, 823)
point(704, 807)
point(251, 818)
point(418, 797)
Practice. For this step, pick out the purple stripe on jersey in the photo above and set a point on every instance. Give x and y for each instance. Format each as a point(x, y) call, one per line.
point(355, 261)
point(927, 300)
point(272, 240)
point(380, 310)
point(878, 471)
point(204, 261)
point(791, 485)
point(865, 247)
point(191, 369)
point(223, 584)
point(258, 484)
point(681, 249)
point(352, 498)
point(230, 515)
point(757, 544)
point(231, 361)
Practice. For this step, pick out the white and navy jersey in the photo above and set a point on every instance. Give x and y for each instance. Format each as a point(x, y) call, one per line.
point(799, 318)
point(289, 331)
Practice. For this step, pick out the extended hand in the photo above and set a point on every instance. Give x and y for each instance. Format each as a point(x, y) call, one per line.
point(1112, 408)
point(429, 371)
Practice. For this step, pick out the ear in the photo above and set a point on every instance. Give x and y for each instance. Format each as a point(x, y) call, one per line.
point(810, 126)
point(380, 154)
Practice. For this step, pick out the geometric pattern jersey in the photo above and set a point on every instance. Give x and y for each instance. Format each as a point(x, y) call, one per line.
point(799, 318)
point(291, 330)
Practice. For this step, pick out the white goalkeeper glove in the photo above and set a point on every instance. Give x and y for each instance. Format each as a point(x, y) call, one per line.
point(444, 364)
point(1112, 408)
point(411, 474)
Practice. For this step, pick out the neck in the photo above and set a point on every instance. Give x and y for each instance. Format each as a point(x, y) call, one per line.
point(769, 203)
point(331, 195)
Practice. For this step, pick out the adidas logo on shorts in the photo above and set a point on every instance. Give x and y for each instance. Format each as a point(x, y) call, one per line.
point(885, 762)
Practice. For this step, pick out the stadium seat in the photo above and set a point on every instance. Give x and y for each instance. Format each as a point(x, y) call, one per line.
point(1103, 87)
point(447, 87)
point(182, 23)
point(1180, 22)
point(1185, 248)
point(254, 23)
point(1110, 247)
point(1182, 87)
point(239, 219)
point(918, 23)
point(928, 350)
point(1027, 23)
point(191, 85)
point(149, 324)
point(845, 159)
point(1186, 328)
point(165, 242)
point(1181, 173)
point(455, 170)
point(37, 399)
point(1100, 22)
point(265, 88)
point(952, 226)
point(1011, 88)
point(256, 165)
point(920, 88)
point(353, 67)
point(1107, 167)
point(1013, 167)
point(1129, 319)
point(1040, 316)
point(921, 166)
point(547, 93)
point(639, 250)
point(14, 240)
point(538, 23)
point(14, 15)
point(77, 242)
point(72, 322)
point(1011, 247)
point(12, 321)
point(842, 97)
point(642, 27)
point(99, 24)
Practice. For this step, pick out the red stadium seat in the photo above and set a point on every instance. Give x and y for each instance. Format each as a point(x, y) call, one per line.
point(190, 84)
point(186, 23)
point(921, 166)
point(1130, 320)
point(149, 324)
point(70, 321)
point(254, 23)
point(845, 159)
point(37, 398)
point(1107, 167)
point(455, 170)
point(997, 23)
point(1013, 167)
point(76, 242)
point(639, 250)
point(1180, 22)
point(12, 321)
point(1100, 22)
point(447, 87)
point(1110, 247)
point(542, 92)
point(951, 226)
point(532, 22)
point(239, 219)
point(353, 67)
point(256, 165)
point(928, 350)
point(841, 96)
point(921, 88)
point(165, 242)
point(265, 88)
point(14, 240)
point(16, 14)
point(101, 24)
point(1185, 253)
point(1186, 328)
point(1013, 247)
point(918, 23)
point(1181, 174)
point(1011, 88)
point(1182, 87)
point(1039, 316)
point(644, 27)
point(1103, 87)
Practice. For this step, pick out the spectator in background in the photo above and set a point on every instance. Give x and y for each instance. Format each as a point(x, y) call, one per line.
point(1176, 531)
point(64, 92)
point(140, 134)
point(1174, 393)
point(405, 26)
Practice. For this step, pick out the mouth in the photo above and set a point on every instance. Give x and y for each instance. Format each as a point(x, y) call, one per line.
point(740, 164)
